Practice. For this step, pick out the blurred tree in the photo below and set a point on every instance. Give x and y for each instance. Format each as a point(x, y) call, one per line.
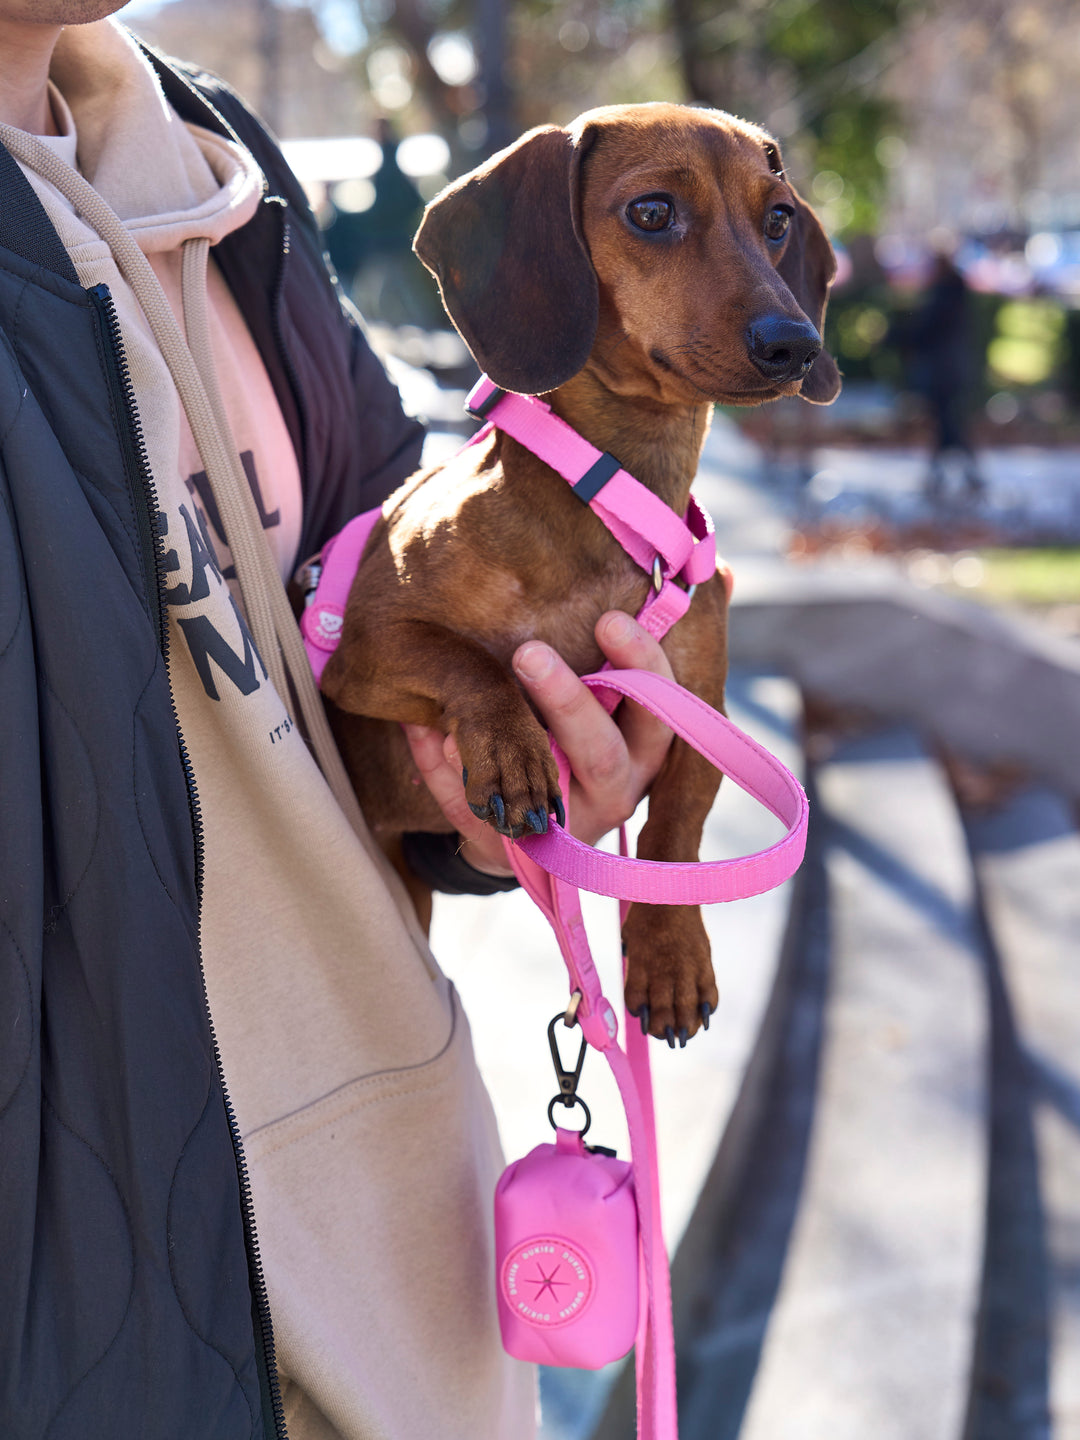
point(268, 31)
point(416, 26)
point(809, 70)
point(533, 61)
point(1001, 79)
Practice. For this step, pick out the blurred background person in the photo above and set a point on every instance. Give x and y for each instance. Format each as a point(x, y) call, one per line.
point(938, 344)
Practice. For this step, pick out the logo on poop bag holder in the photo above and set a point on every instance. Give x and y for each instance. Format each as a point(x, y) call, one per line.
point(546, 1281)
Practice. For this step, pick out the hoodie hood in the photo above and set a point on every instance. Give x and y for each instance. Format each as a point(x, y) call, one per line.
point(168, 181)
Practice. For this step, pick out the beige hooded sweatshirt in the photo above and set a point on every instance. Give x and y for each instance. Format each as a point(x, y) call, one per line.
point(371, 1143)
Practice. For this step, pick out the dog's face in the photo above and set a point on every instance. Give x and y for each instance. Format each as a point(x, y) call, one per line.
point(660, 244)
point(689, 240)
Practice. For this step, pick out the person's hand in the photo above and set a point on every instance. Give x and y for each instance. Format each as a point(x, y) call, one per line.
point(613, 762)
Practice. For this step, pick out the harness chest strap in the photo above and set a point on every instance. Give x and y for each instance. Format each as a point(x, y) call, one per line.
point(665, 546)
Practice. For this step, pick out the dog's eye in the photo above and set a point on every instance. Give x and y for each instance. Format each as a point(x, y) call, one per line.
point(651, 212)
point(777, 221)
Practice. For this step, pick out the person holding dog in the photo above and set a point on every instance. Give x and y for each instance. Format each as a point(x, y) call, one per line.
point(248, 1156)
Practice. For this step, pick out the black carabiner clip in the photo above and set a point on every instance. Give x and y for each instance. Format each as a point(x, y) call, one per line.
point(568, 1079)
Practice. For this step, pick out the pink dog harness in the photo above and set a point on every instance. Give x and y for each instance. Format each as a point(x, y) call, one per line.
point(678, 555)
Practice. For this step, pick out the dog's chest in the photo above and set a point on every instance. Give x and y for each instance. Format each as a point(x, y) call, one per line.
point(503, 564)
point(557, 606)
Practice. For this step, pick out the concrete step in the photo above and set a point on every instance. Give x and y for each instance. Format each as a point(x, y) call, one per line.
point(501, 955)
point(845, 1294)
point(1027, 1382)
point(990, 684)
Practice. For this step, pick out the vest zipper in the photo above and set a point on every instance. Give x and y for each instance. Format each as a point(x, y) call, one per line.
point(283, 353)
point(147, 515)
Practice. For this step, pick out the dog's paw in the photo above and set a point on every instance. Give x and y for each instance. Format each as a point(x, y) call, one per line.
point(670, 985)
point(512, 781)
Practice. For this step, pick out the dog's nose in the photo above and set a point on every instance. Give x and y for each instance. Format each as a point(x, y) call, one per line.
point(782, 349)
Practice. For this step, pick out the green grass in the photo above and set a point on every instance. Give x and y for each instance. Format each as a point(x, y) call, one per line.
point(1031, 577)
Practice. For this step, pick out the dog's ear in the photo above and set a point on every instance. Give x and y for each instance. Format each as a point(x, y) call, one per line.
point(808, 268)
point(505, 245)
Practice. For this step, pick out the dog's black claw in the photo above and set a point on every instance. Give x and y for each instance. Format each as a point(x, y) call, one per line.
point(560, 812)
point(669, 1035)
point(464, 775)
point(482, 812)
point(536, 822)
point(498, 809)
point(706, 1011)
point(684, 1035)
point(643, 1015)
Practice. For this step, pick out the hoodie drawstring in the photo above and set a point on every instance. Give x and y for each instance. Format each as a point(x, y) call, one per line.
point(194, 374)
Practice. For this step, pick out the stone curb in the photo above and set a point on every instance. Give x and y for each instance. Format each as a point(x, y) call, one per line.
point(990, 685)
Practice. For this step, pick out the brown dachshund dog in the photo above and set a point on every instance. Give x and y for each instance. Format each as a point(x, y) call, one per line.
point(632, 268)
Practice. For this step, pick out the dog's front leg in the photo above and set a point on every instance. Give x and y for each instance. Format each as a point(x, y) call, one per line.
point(421, 673)
point(668, 964)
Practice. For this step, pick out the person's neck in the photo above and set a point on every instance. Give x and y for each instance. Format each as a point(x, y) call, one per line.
point(25, 53)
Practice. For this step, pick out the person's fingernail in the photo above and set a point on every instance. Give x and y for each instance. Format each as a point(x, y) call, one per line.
point(534, 660)
point(619, 628)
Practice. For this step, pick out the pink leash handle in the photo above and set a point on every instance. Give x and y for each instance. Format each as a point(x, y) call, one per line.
point(732, 751)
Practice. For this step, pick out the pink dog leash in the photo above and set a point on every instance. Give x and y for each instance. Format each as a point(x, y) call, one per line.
point(554, 867)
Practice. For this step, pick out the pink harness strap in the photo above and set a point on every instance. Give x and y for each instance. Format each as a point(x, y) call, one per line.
point(324, 613)
point(648, 530)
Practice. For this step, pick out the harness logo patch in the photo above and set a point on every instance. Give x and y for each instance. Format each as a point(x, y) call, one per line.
point(547, 1281)
point(328, 630)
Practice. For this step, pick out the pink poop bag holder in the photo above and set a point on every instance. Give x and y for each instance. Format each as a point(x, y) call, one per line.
point(566, 1234)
